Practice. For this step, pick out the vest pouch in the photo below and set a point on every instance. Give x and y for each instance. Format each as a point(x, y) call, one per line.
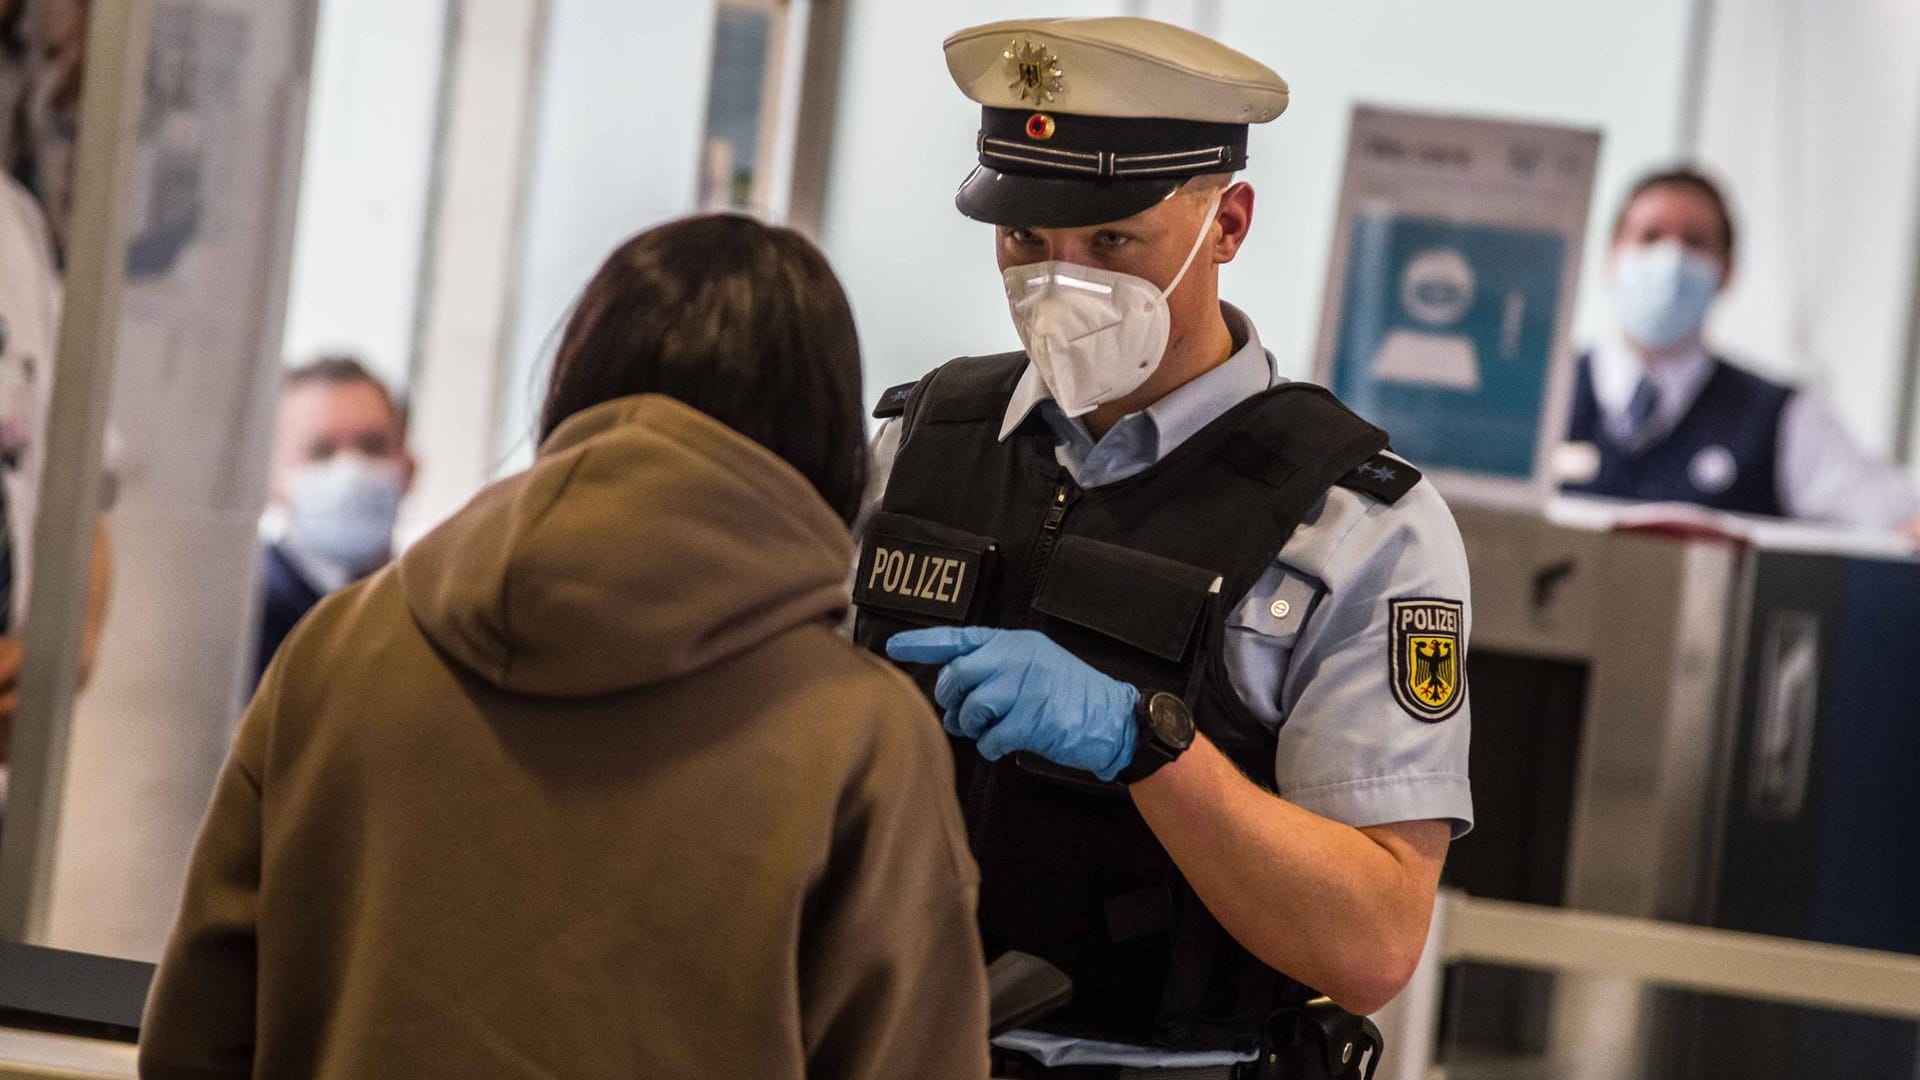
point(1134, 616)
point(1069, 869)
point(1150, 604)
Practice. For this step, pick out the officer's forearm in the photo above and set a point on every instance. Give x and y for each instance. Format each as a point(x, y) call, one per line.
point(1343, 910)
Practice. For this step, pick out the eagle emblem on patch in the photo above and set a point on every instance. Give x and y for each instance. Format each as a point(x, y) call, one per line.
point(1429, 672)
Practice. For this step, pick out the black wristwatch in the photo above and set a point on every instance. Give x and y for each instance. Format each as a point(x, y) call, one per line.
point(1165, 730)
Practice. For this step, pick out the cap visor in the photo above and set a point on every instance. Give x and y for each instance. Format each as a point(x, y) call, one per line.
point(1046, 202)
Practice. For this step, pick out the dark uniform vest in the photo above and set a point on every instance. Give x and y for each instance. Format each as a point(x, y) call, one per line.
point(1737, 413)
point(1135, 578)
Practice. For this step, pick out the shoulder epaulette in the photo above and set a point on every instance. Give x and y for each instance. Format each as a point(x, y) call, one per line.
point(1383, 477)
point(893, 403)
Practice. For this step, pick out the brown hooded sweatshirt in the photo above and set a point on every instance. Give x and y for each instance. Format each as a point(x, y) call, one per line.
point(586, 786)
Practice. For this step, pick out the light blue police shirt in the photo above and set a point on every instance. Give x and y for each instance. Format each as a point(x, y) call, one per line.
point(1310, 642)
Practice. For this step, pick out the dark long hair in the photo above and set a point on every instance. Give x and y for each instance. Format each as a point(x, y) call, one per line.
point(743, 321)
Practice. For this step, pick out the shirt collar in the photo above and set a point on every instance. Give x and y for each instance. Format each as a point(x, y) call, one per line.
point(1617, 370)
point(1188, 408)
point(325, 575)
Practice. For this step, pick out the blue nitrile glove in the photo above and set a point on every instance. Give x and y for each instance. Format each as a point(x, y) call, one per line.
point(1017, 690)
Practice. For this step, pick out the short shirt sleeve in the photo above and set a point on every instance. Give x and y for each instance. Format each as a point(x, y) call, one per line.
point(881, 451)
point(1371, 675)
point(880, 454)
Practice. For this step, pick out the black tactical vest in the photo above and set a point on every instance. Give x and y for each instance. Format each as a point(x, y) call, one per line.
point(1136, 578)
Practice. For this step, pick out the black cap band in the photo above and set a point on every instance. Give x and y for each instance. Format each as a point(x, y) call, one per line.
point(1105, 148)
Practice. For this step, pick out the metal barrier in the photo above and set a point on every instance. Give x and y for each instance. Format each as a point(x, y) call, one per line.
point(1647, 951)
point(33, 1055)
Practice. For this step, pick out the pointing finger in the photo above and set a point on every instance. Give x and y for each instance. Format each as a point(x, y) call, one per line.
point(937, 645)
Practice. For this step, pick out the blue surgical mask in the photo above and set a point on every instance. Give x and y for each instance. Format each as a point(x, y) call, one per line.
point(1662, 292)
point(343, 509)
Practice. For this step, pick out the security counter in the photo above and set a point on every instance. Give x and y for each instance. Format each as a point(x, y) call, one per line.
point(1698, 719)
point(68, 1015)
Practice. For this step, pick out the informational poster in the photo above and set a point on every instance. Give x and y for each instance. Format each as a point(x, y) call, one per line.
point(1450, 294)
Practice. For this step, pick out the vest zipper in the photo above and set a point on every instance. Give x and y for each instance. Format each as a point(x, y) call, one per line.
point(1049, 539)
point(980, 789)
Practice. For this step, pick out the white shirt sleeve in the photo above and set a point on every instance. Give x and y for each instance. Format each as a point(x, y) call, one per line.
point(880, 454)
point(1824, 475)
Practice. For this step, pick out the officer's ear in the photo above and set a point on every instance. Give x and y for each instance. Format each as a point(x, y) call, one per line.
point(1235, 218)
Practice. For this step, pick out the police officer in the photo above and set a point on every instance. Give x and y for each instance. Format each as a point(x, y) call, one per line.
point(1198, 636)
point(1657, 417)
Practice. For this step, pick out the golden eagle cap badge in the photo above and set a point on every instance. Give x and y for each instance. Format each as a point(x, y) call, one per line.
point(1036, 72)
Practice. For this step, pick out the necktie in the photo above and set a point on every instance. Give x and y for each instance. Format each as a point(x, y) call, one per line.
point(1640, 409)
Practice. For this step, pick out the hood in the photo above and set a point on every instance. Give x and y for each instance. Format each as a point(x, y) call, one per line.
point(647, 542)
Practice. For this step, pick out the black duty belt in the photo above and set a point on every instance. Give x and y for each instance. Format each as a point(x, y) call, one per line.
point(1315, 1041)
point(1013, 1065)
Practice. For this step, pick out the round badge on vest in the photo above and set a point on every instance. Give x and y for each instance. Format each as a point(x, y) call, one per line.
point(1713, 470)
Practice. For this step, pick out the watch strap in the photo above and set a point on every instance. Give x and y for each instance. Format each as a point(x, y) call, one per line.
point(1150, 754)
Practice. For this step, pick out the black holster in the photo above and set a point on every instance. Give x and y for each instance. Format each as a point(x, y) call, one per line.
point(1321, 1041)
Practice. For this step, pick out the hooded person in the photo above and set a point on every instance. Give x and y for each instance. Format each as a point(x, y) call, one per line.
point(587, 783)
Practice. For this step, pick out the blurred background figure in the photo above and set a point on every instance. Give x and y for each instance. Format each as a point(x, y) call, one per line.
point(340, 469)
point(1658, 417)
point(44, 107)
point(15, 52)
point(29, 325)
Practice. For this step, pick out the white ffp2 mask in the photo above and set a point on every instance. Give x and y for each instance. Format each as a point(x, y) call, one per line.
point(1094, 335)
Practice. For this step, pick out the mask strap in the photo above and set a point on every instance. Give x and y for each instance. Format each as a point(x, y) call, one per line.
point(1206, 226)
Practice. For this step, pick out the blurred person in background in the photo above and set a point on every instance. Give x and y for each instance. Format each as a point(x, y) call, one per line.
point(44, 117)
point(587, 784)
point(15, 57)
point(1658, 417)
point(29, 329)
point(43, 52)
point(340, 468)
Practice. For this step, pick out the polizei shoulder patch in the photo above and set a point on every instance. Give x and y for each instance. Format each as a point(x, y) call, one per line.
point(1428, 668)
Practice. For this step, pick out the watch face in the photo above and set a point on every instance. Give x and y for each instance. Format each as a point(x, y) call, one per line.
point(1171, 721)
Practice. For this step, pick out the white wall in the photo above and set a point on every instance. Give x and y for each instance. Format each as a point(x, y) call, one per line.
point(363, 198)
point(472, 257)
point(921, 276)
point(622, 103)
point(1615, 67)
point(1813, 115)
